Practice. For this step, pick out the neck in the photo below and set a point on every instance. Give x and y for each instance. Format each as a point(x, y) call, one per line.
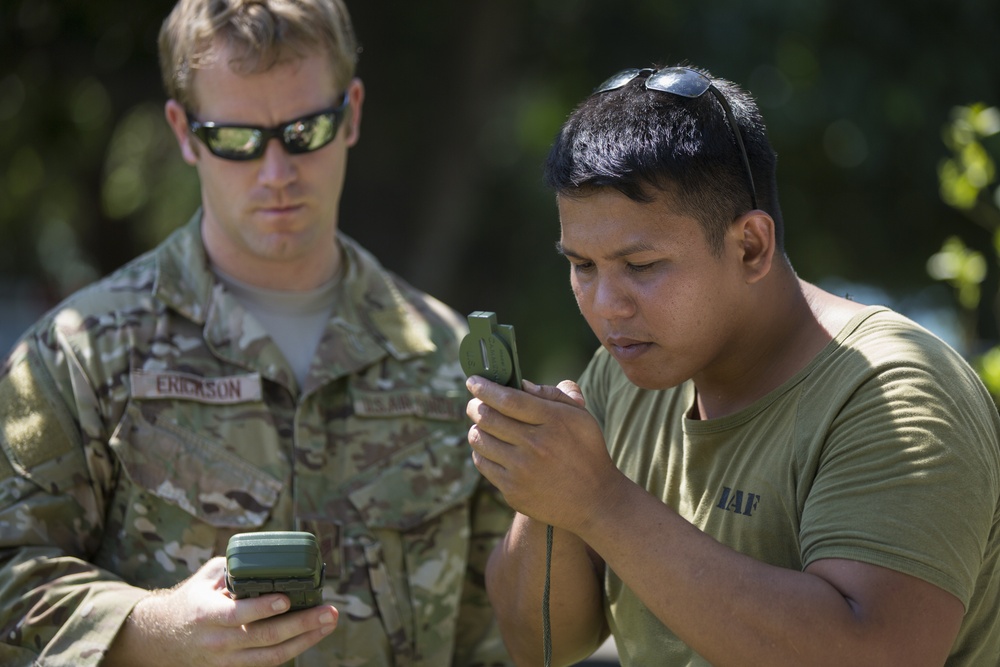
point(783, 333)
point(317, 265)
point(283, 276)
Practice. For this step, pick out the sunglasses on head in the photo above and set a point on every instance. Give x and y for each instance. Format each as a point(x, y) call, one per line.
point(689, 83)
point(248, 142)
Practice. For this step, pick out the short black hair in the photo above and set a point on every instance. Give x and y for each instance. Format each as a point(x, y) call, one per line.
point(640, 141)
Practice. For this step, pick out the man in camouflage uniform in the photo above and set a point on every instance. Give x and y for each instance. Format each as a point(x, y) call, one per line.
point(182, 400)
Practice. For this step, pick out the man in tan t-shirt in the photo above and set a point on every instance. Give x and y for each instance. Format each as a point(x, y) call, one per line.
point(765, 473)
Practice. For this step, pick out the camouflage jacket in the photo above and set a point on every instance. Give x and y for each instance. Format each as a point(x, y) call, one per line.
point(148, 418)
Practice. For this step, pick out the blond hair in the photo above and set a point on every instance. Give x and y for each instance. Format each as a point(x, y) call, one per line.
point(256, 35)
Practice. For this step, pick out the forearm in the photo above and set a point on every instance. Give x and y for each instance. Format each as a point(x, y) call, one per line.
point(144, 638)
point(735, 610)
point(62, 611)
point(515, 579)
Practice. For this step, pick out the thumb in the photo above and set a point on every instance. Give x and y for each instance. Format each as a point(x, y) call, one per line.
point(567, 392)
point(572, 390)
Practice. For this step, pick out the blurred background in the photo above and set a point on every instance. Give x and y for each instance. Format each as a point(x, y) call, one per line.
point(883, 114)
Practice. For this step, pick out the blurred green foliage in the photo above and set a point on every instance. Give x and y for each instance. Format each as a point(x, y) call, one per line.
point(463, 100)
point(969, 184)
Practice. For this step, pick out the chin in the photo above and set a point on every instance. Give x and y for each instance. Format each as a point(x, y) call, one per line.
point(645, 380)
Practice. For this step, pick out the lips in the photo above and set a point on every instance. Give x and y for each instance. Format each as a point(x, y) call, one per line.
point(272, 200)
point(281, 216)
point(626, 349)
point(280, 208)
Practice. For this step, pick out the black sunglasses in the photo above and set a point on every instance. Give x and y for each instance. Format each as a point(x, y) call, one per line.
point(689, 83)
point(248, 142)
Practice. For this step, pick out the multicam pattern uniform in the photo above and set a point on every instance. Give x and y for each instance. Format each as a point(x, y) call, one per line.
point(148, 418)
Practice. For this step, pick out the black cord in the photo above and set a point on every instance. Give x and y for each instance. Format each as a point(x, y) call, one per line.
point(546, 629)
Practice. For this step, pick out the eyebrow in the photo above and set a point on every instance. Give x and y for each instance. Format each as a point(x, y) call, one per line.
point(337, 104)
point(631, 249)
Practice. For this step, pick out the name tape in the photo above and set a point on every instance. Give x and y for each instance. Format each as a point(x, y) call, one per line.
point(220, 390)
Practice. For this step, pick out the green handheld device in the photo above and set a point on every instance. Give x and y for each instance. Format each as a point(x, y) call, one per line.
point(489, 350)
point(286, 562)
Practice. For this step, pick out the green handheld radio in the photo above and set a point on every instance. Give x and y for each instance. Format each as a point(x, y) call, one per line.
point(286, 562)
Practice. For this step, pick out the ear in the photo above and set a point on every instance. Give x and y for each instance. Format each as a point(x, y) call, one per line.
point(352, 123)
point(177, 119)
point(757, 244)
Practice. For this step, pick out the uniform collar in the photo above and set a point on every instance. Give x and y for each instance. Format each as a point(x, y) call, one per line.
point(183, 279)
point(371, 320)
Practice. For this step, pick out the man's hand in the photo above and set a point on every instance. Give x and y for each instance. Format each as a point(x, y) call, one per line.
point(542, 449)
point(546, 454)
point(198, 623)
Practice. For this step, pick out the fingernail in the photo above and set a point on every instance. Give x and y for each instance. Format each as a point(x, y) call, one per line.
point(529, 385)
point(473, 381)
point(327, 618)
point(281, 604)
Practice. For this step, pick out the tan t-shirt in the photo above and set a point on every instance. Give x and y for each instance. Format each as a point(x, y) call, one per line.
point(884, 449)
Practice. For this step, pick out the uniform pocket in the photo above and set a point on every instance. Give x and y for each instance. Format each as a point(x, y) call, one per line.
point(193, 473)
point(423, 482)
point(416, 541)
point(178, 500)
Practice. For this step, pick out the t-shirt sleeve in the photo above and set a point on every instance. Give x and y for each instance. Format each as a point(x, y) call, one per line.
point(908, 477)
point(594, 383)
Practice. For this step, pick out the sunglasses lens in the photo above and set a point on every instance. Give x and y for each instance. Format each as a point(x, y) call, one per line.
point(618, 80)
point(679, 81)
point(309, 134)
point(235, 143)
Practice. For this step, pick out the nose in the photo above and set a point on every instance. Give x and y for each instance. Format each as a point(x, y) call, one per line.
point(609, 300)
point(277, 168)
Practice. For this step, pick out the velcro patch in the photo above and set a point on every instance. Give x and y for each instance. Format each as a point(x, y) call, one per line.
point(32, 429)
point(219, 391)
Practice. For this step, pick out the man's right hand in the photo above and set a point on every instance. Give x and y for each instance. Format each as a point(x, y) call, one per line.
point(198, 623)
